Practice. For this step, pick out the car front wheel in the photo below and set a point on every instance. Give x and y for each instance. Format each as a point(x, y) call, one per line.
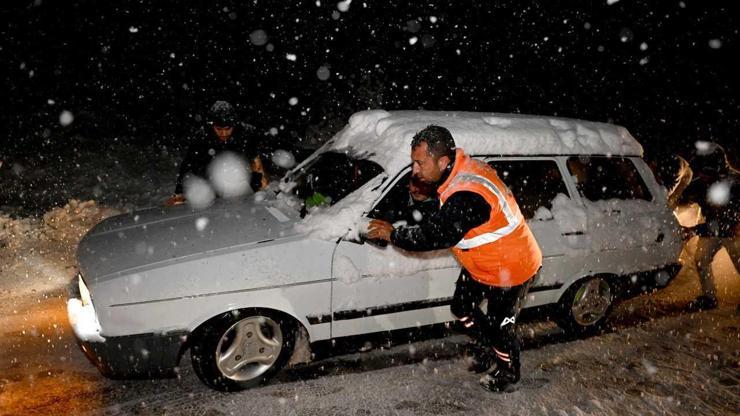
point(239, 350)
point(584, 308)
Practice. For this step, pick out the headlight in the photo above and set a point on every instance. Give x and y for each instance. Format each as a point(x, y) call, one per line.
point(84, 293)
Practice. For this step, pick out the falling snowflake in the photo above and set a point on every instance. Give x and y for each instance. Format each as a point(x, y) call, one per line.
point(201, 223)
point(258, 37)
point(66, 118)
point(343, 6)
point(283, 158)
point(230, 175)
point(719, 193)
point(704, 147)
point(198, 192)
point(323, 73)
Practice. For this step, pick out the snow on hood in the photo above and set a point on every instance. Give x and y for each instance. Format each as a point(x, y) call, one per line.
point(384, 137)
point(161, 234)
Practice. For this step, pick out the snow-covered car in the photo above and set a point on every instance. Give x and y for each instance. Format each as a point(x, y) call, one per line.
point(236, 282)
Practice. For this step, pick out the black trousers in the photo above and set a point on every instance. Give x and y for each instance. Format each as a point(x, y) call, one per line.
point(490, 313)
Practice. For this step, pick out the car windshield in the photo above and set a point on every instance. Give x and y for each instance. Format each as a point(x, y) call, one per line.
point(331, 177)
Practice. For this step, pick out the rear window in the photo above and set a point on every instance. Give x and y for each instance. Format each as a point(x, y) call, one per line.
point(534, 183)
point(600, 178)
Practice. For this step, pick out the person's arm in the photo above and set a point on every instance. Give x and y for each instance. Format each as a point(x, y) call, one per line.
point(461, 212)
point(185, 167)
point(682, 181)
point(259, 177)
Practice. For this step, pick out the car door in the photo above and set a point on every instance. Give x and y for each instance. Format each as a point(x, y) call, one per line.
point(385, 288)
point(555, 218)
point(628, 227)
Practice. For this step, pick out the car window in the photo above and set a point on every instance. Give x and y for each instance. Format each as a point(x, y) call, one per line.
point(600, 178)
point(534, 183)
point(331, 177)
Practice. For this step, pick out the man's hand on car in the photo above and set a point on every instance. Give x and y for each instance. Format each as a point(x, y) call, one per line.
point(379, 230)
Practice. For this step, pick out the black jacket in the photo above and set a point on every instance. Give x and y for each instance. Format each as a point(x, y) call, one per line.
point(720, 220)
point(413, 212)
point(462, 212)
point(207, 146)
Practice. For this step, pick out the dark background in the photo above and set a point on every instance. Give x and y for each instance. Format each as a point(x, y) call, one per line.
point(146, 71)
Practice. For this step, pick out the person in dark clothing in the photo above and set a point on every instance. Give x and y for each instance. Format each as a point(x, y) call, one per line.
point(420, 204)
point(480, 221)
point(715, 187)
point(224, 133)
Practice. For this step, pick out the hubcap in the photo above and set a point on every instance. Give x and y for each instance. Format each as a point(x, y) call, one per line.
point(591, 302)
point(249, 348)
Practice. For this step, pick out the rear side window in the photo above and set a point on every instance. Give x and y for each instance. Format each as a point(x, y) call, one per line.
point(599, 178)
point(534, 183)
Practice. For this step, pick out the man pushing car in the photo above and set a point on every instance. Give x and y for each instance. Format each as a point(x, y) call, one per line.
point(480, 221)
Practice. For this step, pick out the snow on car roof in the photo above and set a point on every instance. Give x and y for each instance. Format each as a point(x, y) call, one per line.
point(385, 137)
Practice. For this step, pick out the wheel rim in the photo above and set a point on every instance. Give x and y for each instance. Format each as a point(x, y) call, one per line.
point(249, 348)
point(591, 302)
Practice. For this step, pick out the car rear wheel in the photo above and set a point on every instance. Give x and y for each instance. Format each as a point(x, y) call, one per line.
point(584, 308)
point(239, 350)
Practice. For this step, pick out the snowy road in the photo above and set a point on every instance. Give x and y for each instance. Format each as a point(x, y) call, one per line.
point(659, 360)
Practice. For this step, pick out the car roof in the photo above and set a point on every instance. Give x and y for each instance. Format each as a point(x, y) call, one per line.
point(385, 136)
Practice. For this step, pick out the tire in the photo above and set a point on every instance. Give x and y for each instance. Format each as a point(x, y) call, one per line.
point(242, 349)
point(584, 307)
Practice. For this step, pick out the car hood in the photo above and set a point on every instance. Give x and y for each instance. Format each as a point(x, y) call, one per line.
point(162, 234)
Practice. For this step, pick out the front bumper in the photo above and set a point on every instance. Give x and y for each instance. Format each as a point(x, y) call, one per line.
point(131, 356)
point(136, 356)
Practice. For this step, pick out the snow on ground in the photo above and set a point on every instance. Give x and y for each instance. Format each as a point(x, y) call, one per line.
point(38, 254)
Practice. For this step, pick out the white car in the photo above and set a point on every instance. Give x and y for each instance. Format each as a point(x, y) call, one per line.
point(238, 281)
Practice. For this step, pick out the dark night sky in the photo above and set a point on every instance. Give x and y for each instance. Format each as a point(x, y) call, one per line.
point(145, 69)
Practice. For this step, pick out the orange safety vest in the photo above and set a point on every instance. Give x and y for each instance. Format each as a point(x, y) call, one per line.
point(502, 251)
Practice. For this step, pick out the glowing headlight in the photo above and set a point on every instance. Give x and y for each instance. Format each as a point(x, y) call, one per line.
point(84, 293)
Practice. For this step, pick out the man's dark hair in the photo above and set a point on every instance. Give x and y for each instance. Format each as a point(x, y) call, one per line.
point(438, 139)
point(222, 114)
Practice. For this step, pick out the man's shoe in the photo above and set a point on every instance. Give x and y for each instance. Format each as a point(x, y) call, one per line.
point(500, 380)
point(702, 303)
point(479, 363)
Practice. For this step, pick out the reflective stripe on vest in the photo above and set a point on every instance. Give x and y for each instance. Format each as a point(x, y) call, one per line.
point(489, 237)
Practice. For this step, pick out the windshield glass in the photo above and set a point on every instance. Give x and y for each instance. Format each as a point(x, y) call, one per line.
point(331, 177)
